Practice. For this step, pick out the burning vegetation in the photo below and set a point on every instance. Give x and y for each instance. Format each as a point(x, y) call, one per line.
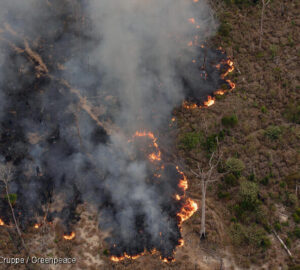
point(70, 111)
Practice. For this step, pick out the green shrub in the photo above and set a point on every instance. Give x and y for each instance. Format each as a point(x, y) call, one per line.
point(296, 218)
point(296, 232)
point(106, 252)
point(223, 194)
point(263, 109)
point(288, 242)
point(265, 180)
point(282, 184)
point(190, 140)
point(248, 194)
point(234, 165)
point(229, 121)
point(210, 143)
point(254, 236)
point(285, 224)
point(224, 29)
point(252, 177)
point(292, 112)
point(12, 198)
point(277, 227)
point(273, 132)
point(291, 199)
point(231, 180)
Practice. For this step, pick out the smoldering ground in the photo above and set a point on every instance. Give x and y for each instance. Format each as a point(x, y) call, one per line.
point(78, 79)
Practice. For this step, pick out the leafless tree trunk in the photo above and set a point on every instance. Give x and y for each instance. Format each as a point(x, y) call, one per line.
point(206, 177)
point(264, 5)
point(6, 174)
point(283, 244)
point(203, 213)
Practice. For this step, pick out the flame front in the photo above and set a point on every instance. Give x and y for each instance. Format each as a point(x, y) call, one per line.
point(126, 256)
point(70, 236)
point(187, 206)
point(211, 99)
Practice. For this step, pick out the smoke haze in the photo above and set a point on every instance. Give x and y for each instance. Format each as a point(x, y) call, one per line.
point(78, 79)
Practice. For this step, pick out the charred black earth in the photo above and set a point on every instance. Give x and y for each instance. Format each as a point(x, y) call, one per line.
point(58, 132)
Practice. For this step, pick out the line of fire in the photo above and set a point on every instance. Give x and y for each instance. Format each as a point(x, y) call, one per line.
point(52, 125)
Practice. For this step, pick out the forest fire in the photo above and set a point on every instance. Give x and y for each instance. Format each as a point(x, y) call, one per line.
point(187, 207)
point(80, 153)
point(118, 259)
point(69, 236)
point(153, 156)
point(210, 101)
point(211, 98)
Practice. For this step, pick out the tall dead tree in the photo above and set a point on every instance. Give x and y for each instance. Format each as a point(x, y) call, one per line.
point(265, 3)
point(6, 176)
point(206, 177)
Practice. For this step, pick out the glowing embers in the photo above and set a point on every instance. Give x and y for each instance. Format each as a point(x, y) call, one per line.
point(70, 236)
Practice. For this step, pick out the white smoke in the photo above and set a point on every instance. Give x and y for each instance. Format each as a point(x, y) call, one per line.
point(134, 49)
point(141, 44)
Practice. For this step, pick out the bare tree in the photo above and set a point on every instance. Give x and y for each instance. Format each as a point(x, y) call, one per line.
point(265, 3)
point(206, 177)
point(6, 176)
point(283, 244)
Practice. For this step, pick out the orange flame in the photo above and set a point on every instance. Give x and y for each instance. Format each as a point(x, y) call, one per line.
point(192, 20)
point(219, 92)
point(126, 256)
point(70, 236)
point(36, 226)
point(167, 260)
point(1, 222)
point(152, 156)
point(189, 106)
point(187, 210)
point(210, 101)
point(190, 207)
point(181, 243)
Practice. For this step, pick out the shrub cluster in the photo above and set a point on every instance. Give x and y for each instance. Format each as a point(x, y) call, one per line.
point(230, 121)
point(190, 140)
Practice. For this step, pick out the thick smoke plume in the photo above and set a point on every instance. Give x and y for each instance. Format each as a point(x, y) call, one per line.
point(78, 79)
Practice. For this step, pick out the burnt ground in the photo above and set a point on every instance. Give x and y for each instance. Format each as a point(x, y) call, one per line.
point(267, 94)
